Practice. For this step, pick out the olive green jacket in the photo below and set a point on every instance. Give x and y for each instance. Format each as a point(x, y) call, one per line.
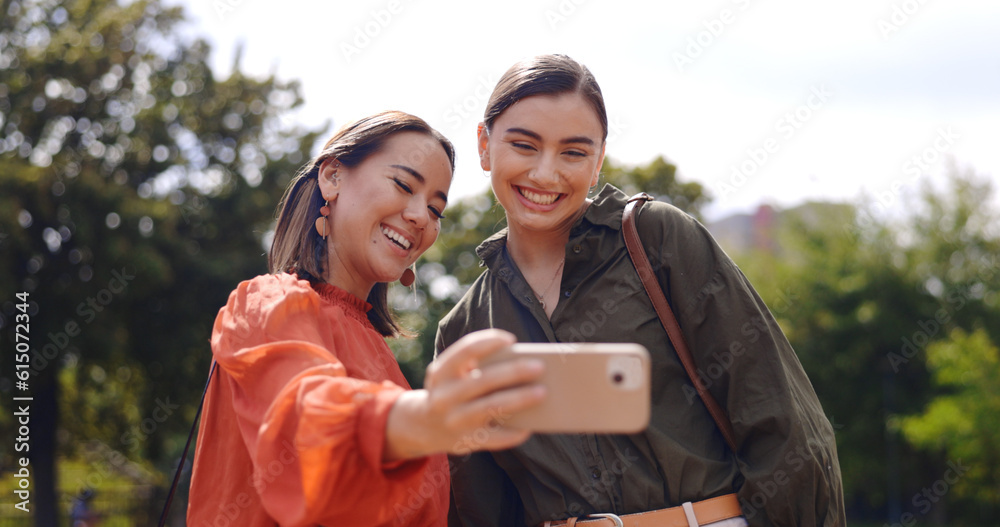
point(785, 470)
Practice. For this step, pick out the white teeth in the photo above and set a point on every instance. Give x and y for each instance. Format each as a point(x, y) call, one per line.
point(541, 199)
point(398, 238)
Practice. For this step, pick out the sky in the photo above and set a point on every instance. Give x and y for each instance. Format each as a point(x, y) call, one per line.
point(769, 101)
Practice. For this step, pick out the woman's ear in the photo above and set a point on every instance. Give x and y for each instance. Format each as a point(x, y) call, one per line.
point(600, 163)
point(329, 178)
point(483, 141)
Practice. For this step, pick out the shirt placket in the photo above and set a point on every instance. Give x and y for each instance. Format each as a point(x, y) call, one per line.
point(602, 478)
point(523, 293)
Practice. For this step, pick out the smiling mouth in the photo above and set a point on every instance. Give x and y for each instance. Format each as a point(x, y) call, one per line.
point(539, 198)
point(396, 237)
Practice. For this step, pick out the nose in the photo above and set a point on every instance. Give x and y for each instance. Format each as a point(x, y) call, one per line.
point(416, 212)
point(546, 172)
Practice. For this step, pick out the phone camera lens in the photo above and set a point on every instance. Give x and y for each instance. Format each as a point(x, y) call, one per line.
point(617, 377)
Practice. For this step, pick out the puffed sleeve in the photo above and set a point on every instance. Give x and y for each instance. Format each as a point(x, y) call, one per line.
point(315, 436)
point(786, 449)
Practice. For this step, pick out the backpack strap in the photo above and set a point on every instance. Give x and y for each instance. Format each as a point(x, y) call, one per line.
point(666, 315)
point(180, 464)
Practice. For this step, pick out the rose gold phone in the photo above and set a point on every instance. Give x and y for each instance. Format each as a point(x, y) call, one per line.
point(591, 387)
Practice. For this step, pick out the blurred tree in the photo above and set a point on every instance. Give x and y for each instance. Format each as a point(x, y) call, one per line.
point(843, 306)
point(135, 188)
point(964, 422)
point(659, 179)
point(450, 266)
point(860, 297)
point(953, 246)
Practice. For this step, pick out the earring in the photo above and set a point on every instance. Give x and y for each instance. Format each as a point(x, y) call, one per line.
point(408, 277)
point(321, 221)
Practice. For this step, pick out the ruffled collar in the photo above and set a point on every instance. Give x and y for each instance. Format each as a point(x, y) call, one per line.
point(352, 305)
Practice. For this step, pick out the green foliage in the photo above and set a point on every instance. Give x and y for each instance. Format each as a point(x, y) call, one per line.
point(659, 179)
point(135, 191)
point(863, 299)
point(844, 307)
point(964, 421)
point(123, 491)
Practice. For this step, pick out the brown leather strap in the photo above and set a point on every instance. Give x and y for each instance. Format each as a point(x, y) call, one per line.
point(655, 292)
point(705, 511)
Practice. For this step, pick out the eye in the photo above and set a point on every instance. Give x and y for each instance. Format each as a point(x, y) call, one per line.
point(577, 153)
point(403, 186)
point(436, 213)
point(522, 146)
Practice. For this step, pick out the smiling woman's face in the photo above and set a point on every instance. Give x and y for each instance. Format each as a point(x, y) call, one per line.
point(544, 154)
point(386, 211)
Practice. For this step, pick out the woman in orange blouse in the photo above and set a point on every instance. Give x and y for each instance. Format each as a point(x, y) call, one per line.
point(309, 420)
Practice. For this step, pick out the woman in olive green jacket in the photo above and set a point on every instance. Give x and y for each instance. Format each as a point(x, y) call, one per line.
point(560, 272)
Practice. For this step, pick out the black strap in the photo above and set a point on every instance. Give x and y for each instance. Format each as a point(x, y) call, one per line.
point(180, 464)
point(666, 315)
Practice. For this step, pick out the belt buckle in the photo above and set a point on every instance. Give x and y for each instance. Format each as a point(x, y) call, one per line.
point(607, 516)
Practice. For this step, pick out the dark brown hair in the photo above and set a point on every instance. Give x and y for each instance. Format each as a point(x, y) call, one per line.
point(297, 248)
point(545, 75)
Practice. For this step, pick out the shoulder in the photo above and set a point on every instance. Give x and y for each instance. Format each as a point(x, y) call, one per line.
point(671, 231)
point(263, 302)
point(662, 216)
point(268, 293)
point(654, 218)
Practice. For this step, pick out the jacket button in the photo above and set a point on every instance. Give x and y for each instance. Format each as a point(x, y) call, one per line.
point(567, 293)
point(577, 249)
point(595, 473)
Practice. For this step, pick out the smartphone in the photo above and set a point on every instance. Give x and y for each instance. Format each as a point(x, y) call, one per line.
point(590, 387)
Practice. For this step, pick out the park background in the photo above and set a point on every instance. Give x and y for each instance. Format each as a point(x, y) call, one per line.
point(845, 155)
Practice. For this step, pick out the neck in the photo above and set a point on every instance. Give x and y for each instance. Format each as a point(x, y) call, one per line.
point(338, 275)
point(531, 248)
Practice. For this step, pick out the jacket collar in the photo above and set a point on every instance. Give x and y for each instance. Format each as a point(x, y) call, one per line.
point(606, 210)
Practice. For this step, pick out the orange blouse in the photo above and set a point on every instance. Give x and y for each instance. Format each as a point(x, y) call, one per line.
point(294, 420)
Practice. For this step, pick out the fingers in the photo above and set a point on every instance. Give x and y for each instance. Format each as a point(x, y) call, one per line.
point(480, 414)
point(489, 437)
point(472, 403)
point(486, 380)
point(463, 356)
point(483, 423)
point(496, 408)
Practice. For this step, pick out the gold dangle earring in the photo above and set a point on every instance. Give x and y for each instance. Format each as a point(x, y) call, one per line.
point(322, 220)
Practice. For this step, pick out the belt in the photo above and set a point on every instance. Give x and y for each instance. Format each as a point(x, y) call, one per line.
point(687, 515)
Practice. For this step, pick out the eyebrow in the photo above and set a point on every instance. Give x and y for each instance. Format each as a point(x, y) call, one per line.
point(569, 140)
point(419, 177)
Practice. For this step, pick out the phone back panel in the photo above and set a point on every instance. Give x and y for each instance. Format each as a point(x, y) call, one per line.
point(591, 388)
